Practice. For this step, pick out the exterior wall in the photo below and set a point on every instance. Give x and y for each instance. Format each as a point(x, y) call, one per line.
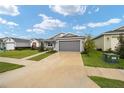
point(114, 42)
point(37, 43)
point(22, 44)
point(9, 44)
point(81, 45)
point(99, 43)
point(2, 45)
point(56, 45)
point(107, 42)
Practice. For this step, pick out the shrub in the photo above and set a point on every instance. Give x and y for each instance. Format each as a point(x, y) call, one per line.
point(120, 48)
point(89, 45)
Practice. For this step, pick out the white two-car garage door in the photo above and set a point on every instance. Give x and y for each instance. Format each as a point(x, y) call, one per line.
point(69, 46)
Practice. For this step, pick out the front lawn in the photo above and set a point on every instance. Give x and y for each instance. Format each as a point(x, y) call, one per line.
point(107, 83)
point(42, 56)
point(95, 60)
point(8, 66)
point(18, 53)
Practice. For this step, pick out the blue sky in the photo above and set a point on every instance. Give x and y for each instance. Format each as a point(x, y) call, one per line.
point(35, 21)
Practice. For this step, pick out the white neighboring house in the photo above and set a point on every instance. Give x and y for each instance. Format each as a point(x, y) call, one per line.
point(35, 42)
point(108, 40)
point(65, 42)
point(1, 44)
point(10, 43)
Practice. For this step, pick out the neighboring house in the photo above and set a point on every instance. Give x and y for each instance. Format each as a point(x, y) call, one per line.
point(108, 40)
point(35, 42)
point(65, 42)
point(1, 44)
point(13, 43)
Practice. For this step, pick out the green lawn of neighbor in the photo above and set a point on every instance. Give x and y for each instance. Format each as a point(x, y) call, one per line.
point(42, 56)
point(107, 83)
point(95, 60)
point(8, 66)
point(18, 53)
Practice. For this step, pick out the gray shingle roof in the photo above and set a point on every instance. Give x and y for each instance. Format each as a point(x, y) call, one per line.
point(20, 40)
point(118, 30)
point(63, 35)
point(37, 39)
point(57, 36)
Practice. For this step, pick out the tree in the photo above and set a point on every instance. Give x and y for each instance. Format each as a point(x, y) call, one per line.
point(120, 48)
point(89, 45)
point(41, 48)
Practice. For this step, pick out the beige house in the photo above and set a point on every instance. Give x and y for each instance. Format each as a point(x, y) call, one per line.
point(108, 40)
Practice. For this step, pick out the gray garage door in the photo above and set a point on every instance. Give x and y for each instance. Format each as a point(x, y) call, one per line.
point(69, 46)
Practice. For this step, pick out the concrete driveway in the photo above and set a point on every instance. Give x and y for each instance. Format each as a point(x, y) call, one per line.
point(62, 69)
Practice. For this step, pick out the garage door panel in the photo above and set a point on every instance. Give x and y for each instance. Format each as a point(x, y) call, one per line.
point(10, 46)
point(69, 45)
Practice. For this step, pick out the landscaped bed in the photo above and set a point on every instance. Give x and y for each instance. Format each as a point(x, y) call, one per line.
point(8, 66)
point(95, 60)
point(18, 53)
point(107, 83)
point(42, 56)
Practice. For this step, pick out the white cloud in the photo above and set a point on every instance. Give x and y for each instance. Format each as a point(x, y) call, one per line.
point(11, 10)
point(48, 23)
point(8, 23)
point(67, 10)
point(101, 24)
point(79, 27)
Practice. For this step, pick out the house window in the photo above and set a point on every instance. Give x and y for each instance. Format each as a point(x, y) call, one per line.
point(49, 44)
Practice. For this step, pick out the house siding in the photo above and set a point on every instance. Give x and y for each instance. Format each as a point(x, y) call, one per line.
point(106, 42)
point(99, 43)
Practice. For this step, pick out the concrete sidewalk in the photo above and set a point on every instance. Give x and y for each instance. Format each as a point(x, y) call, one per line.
point(60, 70)
point(17, 61)
point(25, 58)
point(105, 72)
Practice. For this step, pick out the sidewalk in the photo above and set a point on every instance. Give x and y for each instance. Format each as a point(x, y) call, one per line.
point(16, 61)
point(22, 61)
point(33, 55)
point(105, 72)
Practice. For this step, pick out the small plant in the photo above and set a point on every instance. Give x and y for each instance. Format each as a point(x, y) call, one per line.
point(109, 51)
point(89, 45)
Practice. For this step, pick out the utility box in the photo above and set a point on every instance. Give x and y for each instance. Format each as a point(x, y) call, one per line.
point(111, 57)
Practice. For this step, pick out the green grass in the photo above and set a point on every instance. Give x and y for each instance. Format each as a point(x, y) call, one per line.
point(42, 56)
point(95, 60)
point(107, 83)
point(18, 53)
point(8, 66)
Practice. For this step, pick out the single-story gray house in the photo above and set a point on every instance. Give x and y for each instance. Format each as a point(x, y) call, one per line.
point(108, 40)
point(65, 42)
point(10, 43)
